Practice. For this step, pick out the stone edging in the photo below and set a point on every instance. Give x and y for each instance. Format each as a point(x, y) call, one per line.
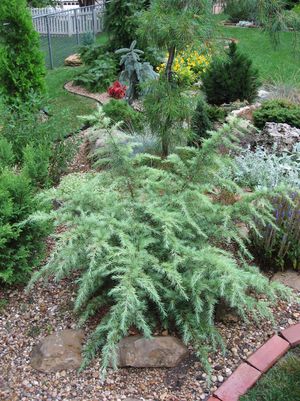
point(251, 370)
point(101, 98)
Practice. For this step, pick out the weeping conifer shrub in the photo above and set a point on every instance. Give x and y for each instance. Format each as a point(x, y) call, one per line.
point(150, 240)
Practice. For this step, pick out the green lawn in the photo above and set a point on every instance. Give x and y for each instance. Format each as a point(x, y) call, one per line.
point(281, 383)
point(282, 64)
point(63, 106)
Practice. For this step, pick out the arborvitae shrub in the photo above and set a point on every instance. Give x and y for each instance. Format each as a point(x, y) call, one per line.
point(22, 68)
point(22, 241)
point(277, 111)
point(231, 79)
point(201, 123)
point(119, 110)
point(146, 239)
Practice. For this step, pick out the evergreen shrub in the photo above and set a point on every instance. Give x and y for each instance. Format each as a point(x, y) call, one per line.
point(277, 111)
point(201, 123)
point(22, 67)
point(22, 242)
point(151, 239)
point(242, 10)
point(119, 110)
point(230, 79)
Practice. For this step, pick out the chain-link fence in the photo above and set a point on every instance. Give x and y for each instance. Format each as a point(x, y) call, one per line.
point(61, 33)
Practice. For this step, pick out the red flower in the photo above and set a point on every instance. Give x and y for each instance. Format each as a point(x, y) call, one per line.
point(117, 90)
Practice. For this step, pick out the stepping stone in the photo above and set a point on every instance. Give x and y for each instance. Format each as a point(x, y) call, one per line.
point(292, 334)
point(244, 377)
point(269, 353)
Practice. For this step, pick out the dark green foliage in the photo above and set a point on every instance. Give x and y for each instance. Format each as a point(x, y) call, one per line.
point(36, 160)
point(147, 245)
point(7, 157)
point(216, 113)
point(21, 242)
point(90, 53)
point(201, 123)
point(120, 21)
point(22, 68)
point(277, 111)
point(97, 76)
point(242, 10)
point(281, 383)
point(231, 79)
point(119, 110)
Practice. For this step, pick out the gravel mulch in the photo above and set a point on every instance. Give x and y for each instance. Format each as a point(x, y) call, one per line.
point(27, 318)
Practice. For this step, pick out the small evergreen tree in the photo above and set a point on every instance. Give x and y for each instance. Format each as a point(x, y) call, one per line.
point(201, 123)
point(22, 68)
point(172, 25)
point(147, 238)
point(231, 79)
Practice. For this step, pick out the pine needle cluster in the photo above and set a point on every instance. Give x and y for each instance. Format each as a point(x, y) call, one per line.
point(150, 241)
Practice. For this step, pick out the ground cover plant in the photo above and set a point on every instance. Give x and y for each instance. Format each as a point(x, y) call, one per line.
point(277, 111)
point(128, 236)
point(282, 382)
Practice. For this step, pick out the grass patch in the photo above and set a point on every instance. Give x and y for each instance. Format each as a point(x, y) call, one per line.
point(64, 106)
point(281, 64)
point(281, 383)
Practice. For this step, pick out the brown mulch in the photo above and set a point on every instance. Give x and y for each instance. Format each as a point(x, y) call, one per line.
point(102, 98)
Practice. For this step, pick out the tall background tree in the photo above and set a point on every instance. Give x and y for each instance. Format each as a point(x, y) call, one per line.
point(22, 67)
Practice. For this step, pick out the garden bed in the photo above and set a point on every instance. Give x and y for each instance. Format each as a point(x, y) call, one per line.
point(28, 318)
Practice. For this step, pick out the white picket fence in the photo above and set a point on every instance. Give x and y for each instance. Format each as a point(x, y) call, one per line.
point(218, 7)
point(71, 22)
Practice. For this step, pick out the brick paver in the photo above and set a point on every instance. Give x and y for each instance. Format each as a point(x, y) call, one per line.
point(242, 379)
point(292, 334)
point(269, 353)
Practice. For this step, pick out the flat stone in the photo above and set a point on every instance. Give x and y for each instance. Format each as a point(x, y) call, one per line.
point(267, 355)
point(213, 399)
point(289, 278)
point(292, 334)
point(244, 377)
point(161, 351)
point(59, 351)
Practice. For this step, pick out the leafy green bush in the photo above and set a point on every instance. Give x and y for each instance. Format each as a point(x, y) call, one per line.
point(201, 123)
point(242, 10)
point(277, 111)
point(21, 241)
point(36, 160)
point(231, 79)
point(91, 52)
point(216, 113)
point(21, 61)
point(97, 76)
point(148, 245)
point(119, 110)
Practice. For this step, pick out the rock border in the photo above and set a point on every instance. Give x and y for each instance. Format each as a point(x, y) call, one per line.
point(251, 370)
point(101, 98)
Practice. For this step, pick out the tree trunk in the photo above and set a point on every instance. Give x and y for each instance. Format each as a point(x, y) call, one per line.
point(85, 3)
point(170, 62)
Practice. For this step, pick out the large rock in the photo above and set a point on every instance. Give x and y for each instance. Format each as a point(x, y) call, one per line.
point(289, 278)
point(59, 351)
point(246, 112)
point(157, 352)
point(283, 136)
point(73, 61)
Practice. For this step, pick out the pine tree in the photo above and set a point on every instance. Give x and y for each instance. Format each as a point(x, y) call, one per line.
point(22, 68)
point(231, 79)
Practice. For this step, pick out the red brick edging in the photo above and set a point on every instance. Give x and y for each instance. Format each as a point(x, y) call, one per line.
point(250, 371)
